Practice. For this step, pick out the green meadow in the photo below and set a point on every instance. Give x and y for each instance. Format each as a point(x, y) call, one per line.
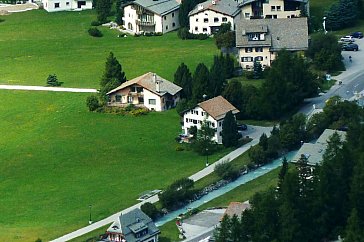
point(35, 44)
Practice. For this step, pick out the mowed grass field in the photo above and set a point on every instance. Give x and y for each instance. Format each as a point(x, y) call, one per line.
point(35, 44)
point(57, 158)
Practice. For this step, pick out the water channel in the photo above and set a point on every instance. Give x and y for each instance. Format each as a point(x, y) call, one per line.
point(230, 186)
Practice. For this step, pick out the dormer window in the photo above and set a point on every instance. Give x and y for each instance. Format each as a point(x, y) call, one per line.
point(255, 36)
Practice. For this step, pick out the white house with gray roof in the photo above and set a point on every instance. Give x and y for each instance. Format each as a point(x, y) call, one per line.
point(66, 5)
point(207, 17)
point(151, 16)
point(261, 39)
point(255, 9)
point(134, 226)
point(149, 90)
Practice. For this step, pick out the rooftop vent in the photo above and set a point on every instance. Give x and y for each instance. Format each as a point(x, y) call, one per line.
point(213, 2)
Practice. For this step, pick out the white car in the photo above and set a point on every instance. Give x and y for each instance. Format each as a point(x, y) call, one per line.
point(347, 38)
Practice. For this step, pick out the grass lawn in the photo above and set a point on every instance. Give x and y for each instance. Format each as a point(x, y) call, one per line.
point(246, 82)
point(35, 44)
point(57, 158)
point(92, 235)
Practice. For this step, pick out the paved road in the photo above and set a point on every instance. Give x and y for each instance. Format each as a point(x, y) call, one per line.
point(253, 131)
point(352, 80)
point(40, 88)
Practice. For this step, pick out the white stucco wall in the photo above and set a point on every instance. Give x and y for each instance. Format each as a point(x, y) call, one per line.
point(279, 12)
point(64, 5)
point(198, 24)
point(169, 21)
point(130, 16)
point(149, 95)
point(191, 116)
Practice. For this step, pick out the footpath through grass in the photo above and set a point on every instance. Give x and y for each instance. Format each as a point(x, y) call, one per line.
point(35, 44)
point(57, 158)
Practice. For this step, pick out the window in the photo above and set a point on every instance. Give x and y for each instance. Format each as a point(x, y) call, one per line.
point(246, 59)
point(173, 24)
point(220, 123)
point(194, 121)
point(141, 100)
point(259, 58)
point(247, 15)
point(165, 17)
point(216, 20)
point(172, 15)
point(133, 89)
point(118, 98)
point(166, 27)
point(224, 19)
point(254, 36)
point(67, 3)
point(248, 50)
point(196, 28)
point(204, 29)
point(213, 125)
point(197, 112)
point(278, 8)
point(186, 120)
point(152, 102)
point(202, 113)
point(130, 99)
point(258, 49)
point(139, 89)
point(273, 8)
point(196, 19)
point(205, 20)
point(56, 5)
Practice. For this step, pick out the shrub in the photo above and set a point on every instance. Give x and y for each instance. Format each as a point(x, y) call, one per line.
point(200, 36)
point(2, 20)
point(158, 34)
point(95, 32)
point(137, 35)
point(179, 148)
point(95, 23)
point(183, 33)
point(130, 107)
point(139, 111)
point(150, 210)
point(92, 103)
point(52, 81)
point(226, 171)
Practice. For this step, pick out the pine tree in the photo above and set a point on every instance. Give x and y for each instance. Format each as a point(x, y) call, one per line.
point(257, 71)
point(217, 77)
point(263, 141)
point(183, 78)
point(201, 81)
point(113, 75)
point(222, 233)
point(234, 94)
point(103, 9)
point(354, 229)
point(230, 134)
point(282, 173)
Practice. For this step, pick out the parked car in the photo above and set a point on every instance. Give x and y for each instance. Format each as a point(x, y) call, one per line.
point(242, 127)
point(357, 35)
point(350, 47)
point(347, 38)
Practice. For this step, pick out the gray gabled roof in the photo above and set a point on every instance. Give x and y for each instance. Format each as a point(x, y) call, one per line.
point(227, 7)
point(147, 81)
point(130, 223)
point(160, 7)
point(283, 33)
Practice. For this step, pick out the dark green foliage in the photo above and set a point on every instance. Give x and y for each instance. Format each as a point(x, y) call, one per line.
point(217, 76)
point(258, 71)
point(184, 9)
point(257, 155)
point(95, 23)
point(94, 32)
point(204, 144)
point(292, 131)
point(282, 173)
point(287, 84)
point(103, 9)
point(150, 209)
point(52, 81)
point(183, 78)
point(225, 40)
point(229, 65)
point(355, 230)
point(325, 52)
point(229, 132)
point(38, 240)
point(233, 92)
point(113, 75)
point(226, 171)
point(222, 233)
point(177, 193)
point(342, 14)
point(183, 105)
point(92, 103)
point(200, 85)
point(263, 141)
point(183, 33)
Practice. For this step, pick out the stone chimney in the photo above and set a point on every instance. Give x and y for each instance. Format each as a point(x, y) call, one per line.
point(157, 83)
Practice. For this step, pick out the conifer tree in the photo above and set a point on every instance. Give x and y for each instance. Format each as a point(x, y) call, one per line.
point(113, 75)
point(230, 134)
point(201, 81)
point(183, 78)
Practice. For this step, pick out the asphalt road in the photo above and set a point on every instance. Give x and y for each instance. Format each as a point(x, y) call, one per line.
point(352, 80)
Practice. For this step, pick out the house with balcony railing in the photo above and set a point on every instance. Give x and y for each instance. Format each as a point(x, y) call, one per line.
point(151, 16)
point(149, 90)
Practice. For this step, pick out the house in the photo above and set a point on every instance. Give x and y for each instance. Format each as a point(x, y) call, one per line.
point(149, 90)
point(236, 208)
point(151, 16)
point(134, 226)
point(255, 9)
point(314, 152)
point(207, 17)
point(213, 111)
point(261, 39)
point(66, 5)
